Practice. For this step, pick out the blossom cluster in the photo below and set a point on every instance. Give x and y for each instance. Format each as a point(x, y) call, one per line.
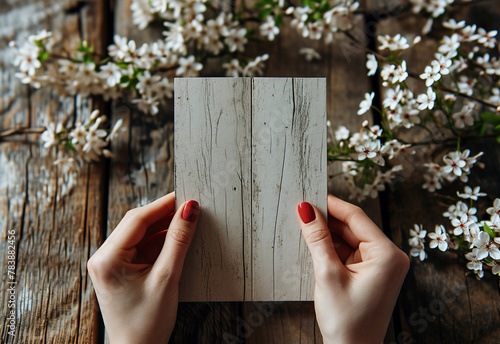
point(87, 141)
point(461, 99)
point(195, 31)
point(478, 240)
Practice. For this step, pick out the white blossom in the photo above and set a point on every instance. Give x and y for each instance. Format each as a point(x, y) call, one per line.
point(371, 64)
point(233, 68)
point(366, 104)
point(495, 209)
point(430, 75)
point(449, 44)
point(255, 67)
point(395, 43)
point(461, 224)
point(474, 262)
point(342, 133)
point(392, 97)
point(188, 67)
point(314, 30)
point(452, 24)
point(50, 136)
point(310, 54)
point(426, 100)
point(431, 183)
point(471, 193)
point(484, 247)
point(416, 241)
point(269, 29)
point(487, 39)
point(111, 74)
point(454, 163)
point(236, 39)
point(439, 238)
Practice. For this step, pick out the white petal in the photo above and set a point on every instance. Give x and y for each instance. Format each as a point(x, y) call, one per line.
point(443, 245)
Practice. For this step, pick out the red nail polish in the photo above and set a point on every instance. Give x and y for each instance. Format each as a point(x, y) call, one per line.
point(306, 212)
point(191, 211)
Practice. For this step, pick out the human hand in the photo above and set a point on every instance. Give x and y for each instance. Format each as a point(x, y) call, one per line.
point(137, 269)
point(359, 272)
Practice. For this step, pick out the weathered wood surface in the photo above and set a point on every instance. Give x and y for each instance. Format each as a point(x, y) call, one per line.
point(249, 150)
point(54, 243)
point(55, 231)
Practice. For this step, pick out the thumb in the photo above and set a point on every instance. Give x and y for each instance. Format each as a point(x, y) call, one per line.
point(179, 236)
point(317, 236)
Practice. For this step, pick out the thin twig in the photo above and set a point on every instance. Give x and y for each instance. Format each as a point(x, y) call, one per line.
point(21, 130)
point(449, 139)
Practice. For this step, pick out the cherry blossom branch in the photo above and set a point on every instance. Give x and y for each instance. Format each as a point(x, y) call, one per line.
point(416, 77)
point(459, 94)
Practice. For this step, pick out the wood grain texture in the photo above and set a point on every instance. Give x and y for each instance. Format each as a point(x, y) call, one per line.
point(249, 150)
point(56, 231)
point(213, 166)
point(288, 167)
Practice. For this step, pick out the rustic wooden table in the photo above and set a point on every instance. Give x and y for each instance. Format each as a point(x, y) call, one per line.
point(56, 232)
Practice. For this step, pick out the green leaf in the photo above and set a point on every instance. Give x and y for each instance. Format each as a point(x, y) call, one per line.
point(488, 230)
point(317, 16)
point(43, 56)
point(264, 13)
point(498, 139)
point(260, 4)
point(250, 33)
point(122, 65)
point(309, 3)
point(490, 117)
point(69, 146)
point(482, 131)
point(38, 43)
point(324, 6)
point(278, 19)
point(124, 79)
point(87, 58)
point(497, 129)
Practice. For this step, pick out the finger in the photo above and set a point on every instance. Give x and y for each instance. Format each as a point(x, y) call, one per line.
point(317, 236)
point(356, 220)
point(149, 249)
point(156, 227)
point(342, 230)
point(179, 236)
point(132, 228)
point(343, 249)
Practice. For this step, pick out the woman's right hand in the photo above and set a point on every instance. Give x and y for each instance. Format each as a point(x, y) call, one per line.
point(359, 272)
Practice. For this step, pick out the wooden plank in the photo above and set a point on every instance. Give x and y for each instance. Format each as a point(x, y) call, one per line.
point(55, 231)
point(288, 167)
point(213, 166)
point(266, 257)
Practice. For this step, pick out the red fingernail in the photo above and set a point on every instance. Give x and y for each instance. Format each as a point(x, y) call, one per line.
point(306, 212)
point(191, 211)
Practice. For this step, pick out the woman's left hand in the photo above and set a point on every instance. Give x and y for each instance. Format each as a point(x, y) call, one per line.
point(136, 271)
